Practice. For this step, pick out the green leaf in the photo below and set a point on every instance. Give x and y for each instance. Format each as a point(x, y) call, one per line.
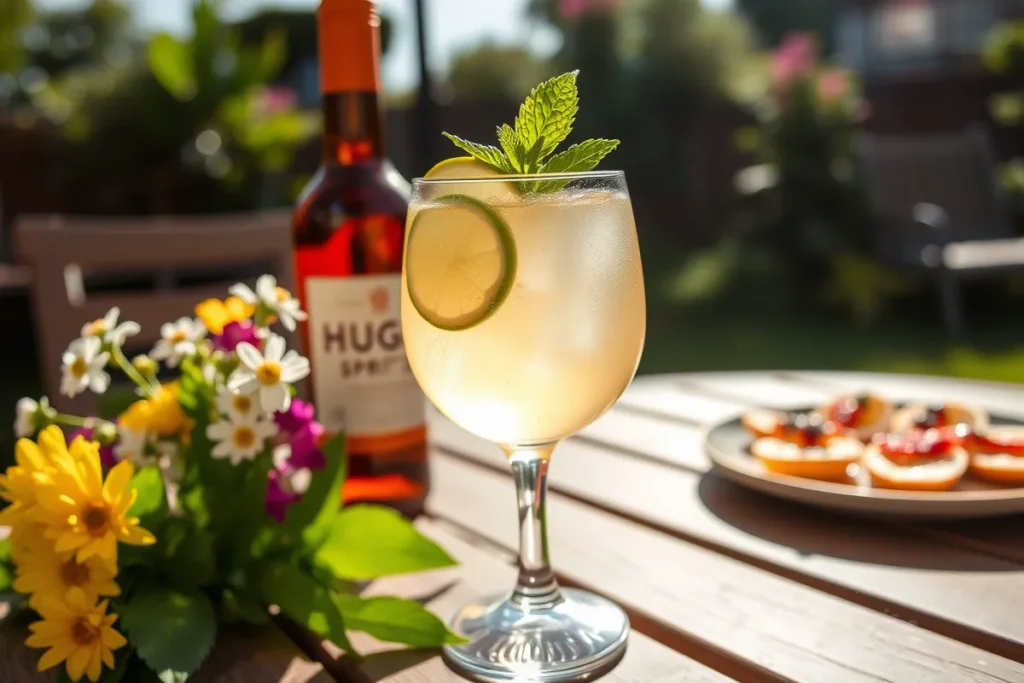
point(323, 498)
point(367, 541)
point(549, 112)
point(238, 606)
point(578, 158)
point(272, 54)
point(395, 620)
point(170, 630)
point(492, 156)
point(170, 63)
point(115, 402)
point(514, 149)
point(150, 504)
point(6, 566)
point(301, 598)
point(190, 553)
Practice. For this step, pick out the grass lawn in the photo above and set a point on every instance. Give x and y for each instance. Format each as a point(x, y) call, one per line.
point(678, 341)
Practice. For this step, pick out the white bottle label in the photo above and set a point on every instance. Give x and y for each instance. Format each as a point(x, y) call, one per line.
point(361, 378)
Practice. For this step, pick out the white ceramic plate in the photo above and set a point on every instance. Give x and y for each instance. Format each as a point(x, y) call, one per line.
point(727, 445)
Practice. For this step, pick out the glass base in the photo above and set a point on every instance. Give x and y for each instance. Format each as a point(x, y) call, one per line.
point(577, 639)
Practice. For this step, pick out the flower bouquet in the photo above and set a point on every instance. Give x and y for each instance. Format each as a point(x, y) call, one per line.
point(201, 501)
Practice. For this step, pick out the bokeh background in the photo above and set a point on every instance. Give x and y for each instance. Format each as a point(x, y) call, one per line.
point(743, 125)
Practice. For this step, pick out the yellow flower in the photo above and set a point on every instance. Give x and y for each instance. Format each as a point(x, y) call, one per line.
point(78, 632)
point(43, 572)
point(83, 513)
point(215, 313)
point(34, 467)
point(160, 415)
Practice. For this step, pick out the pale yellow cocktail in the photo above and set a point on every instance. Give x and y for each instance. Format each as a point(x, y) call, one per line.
point(565, 341)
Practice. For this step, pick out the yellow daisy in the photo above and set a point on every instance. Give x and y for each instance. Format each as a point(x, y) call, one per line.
point(160, 415)
point(43, 572)
point(78, 632)
point(215, 313)
point(82, 512)
point(34, 468)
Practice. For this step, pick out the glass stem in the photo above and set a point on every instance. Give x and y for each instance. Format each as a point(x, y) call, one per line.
point(536, 587)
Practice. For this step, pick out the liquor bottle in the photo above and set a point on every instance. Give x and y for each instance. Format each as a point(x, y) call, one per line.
point(348, 231)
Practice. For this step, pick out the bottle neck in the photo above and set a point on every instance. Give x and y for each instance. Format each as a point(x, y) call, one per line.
point(349, 43)
point(353, 131)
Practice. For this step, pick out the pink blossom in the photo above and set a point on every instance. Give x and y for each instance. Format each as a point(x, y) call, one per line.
point(295, 459)
point(235, 333)
point(833, 85)
point(573, 9)
point(277, 99)
point(795, 59)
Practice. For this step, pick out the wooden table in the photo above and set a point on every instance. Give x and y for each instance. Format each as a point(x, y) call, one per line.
point(720, 583)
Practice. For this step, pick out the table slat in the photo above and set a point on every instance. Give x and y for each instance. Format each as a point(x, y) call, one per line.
point(486, 571)
point(772, 627)
point(964, 594)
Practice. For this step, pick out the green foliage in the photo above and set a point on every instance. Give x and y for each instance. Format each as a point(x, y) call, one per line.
point(6, 567)
point(151, 501)
point(545, 119)
point(864, 287)
point(395, 620)
point(302, 598)
point(495, 73)
point(171, 631)
point(774, 19)
point(367, 542)
point(1004, 55)
point(193, 127)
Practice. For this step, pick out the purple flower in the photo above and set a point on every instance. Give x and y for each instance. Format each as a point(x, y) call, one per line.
point(299, 414)
point(305, 445)
point(287, 481)
point(107, 458)
point(234, 333)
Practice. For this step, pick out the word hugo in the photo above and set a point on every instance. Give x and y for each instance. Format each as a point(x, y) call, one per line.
point(370, 348)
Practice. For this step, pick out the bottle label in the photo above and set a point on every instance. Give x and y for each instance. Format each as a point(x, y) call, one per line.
point(361, 376)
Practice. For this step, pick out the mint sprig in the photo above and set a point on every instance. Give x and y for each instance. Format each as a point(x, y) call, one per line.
point(544, 121)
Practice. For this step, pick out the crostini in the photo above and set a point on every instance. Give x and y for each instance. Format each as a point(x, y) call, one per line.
point(998, 455)
point(808, 446)
point(864, 414)
point(924, 416)
point(920, 460)
point(794, 427)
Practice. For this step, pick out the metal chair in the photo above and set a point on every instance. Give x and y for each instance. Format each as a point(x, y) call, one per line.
point(84, 265)
point(939, 210)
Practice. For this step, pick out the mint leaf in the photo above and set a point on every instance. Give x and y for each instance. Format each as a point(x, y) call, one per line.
point(395, 620)
point(549, 112)
point(301, 598)
point(578, 158)
point(492, 156)
point(170, 630)
point(368, 541)
point(513, 147)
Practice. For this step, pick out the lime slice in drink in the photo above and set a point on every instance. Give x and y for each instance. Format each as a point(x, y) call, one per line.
point(467, 168)
point(460, 262)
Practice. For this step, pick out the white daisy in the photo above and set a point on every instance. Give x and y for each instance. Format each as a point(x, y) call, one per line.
point(83, 367)
point(131, 446)
point(276, 300)
point(178, 339)
point(107, 329)
point(31, 416)
point(270, 373)
point(240, 440)
point(237, 406)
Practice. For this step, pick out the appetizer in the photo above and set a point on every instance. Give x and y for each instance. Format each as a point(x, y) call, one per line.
point(923, 416)
point(818, 449)
point(920, 460)
point(794, 427)
point(998, 455)
point(864, 414)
